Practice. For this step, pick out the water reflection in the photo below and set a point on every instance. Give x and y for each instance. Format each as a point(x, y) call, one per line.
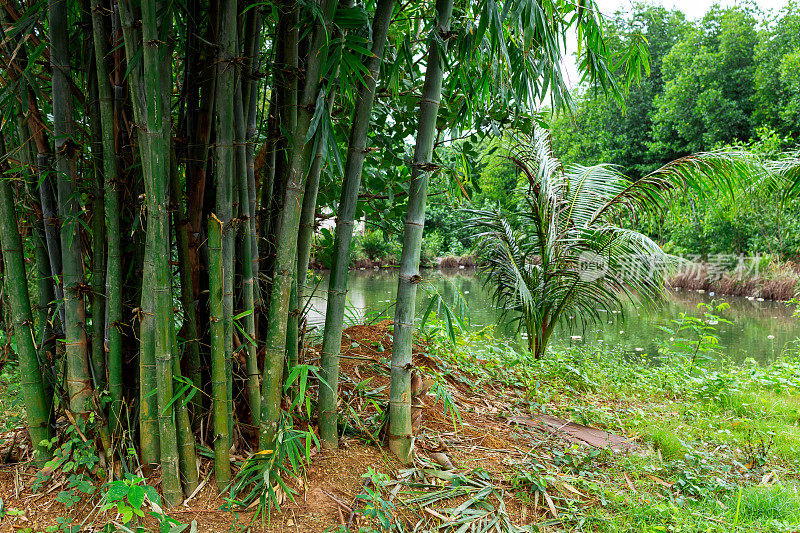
point(760, 330)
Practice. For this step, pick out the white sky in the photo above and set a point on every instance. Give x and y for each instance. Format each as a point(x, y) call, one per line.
point(694, 9)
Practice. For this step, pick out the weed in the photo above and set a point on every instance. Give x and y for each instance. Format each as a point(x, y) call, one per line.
point(376, 507)
point(128, 497)
point(667, 443)
point(772, 503)
point(76, 460)
point(580, 460)
point(756, 450)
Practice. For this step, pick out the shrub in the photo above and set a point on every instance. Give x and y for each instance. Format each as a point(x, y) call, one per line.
point(374, 245)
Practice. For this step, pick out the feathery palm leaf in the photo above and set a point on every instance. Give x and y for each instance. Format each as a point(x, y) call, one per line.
point(559, 253)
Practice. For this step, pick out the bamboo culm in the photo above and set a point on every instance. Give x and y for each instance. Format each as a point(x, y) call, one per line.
point(79, 385)
point(400, 437)
point(113, 287)
point(248, 282)
point(148, 408)
point(337, 292)
point(219, 387)
point(37, 406)
point(98, 296)
point(157, 193)
point(286, 245)
point(225, 175)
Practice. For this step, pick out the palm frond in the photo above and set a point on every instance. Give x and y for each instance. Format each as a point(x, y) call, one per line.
point(559, 254)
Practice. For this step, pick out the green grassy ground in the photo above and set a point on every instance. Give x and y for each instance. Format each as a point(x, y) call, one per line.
point(721, 441)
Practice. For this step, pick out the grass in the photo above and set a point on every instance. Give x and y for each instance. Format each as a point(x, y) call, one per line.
point(722, 440)
point(666, 442)
point(721, 443)
point(777, 502)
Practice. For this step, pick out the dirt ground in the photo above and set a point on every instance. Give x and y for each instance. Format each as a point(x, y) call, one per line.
point(328, 495)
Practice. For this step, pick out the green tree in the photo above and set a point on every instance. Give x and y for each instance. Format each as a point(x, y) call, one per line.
point(559, 253)
point(709, 87)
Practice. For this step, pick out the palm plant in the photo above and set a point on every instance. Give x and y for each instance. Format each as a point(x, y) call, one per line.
point(560, 253)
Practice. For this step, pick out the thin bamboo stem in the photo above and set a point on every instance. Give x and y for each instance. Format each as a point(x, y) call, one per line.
point(78, 375)
point(337, 284)
point(400, 437)
point(37, 406)
point(113, 302)
point(219, 381)
point(286, 246)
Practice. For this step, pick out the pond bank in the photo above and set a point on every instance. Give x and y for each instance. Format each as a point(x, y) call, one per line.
point(773, 281)
point(778, 282)
point(760, 329)
point(392, 262)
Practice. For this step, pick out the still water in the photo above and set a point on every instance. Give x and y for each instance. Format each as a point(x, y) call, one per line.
point(760, 330)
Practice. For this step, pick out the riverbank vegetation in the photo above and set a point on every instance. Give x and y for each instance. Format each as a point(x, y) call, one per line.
point(708, 445)
point(165, 171)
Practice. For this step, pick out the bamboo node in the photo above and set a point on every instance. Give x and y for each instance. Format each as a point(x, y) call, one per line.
point(425, 166)
point(413, 278)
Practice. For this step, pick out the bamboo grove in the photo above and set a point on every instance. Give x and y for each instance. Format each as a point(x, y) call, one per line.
point(164, 168)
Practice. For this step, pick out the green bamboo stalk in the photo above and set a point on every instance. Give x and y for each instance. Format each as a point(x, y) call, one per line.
point(37, 406)
point(337, 284)
point(187, 453)
point(286, 246)
point(200, 83)
point(111, 208)
point(283, 121)
point(180, 223)
point(78, 374)
point(305, 238)
point(157, 192)
point(400, 437)
point(248, 294)
point(292, 336)
point(148, 405)
point(44, 280)
point(252, 48)
point(186, 446)
point(98, 355)
point(27, 96)
point(225, 169)
point(219, 381)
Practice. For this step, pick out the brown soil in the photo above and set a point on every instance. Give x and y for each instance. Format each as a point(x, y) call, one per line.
point(328, 493)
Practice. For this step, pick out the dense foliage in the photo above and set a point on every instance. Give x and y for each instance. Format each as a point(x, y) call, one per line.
point(728, 80)
point(164, 168)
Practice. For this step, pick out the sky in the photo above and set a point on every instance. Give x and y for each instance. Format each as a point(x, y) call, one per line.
point(694, 9)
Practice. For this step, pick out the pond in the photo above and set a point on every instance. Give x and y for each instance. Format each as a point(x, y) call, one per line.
point(759, 329)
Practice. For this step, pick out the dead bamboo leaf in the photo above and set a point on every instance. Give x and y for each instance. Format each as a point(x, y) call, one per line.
point(550, 504)
point(573, 489)
point(629, 482)
point(660, 481)
point(440, 516)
